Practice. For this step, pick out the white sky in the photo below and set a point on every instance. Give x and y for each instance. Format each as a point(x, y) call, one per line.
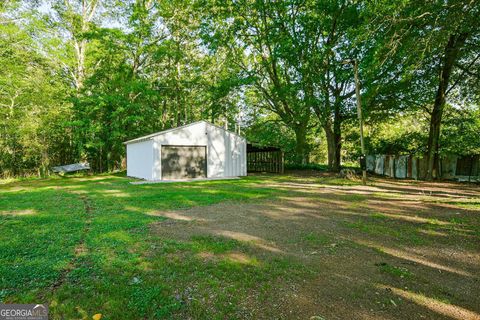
point(45, 7)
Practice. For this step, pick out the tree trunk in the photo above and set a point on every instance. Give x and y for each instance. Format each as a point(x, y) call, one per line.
point(333, 133)
point(334, 147)
point(80, 49)
point(455, 42)
point(301, 148)
point(80, 44)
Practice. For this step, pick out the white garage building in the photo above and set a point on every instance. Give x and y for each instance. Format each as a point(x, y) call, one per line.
point(197, 150)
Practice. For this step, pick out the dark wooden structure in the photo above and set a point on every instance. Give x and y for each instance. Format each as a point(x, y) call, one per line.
point(468, 166)
point(264, 159)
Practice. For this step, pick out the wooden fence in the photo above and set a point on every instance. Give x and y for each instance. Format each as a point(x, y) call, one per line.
point(267, 159)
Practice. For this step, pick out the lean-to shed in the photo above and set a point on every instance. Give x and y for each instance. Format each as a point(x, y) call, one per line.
point(196, 150)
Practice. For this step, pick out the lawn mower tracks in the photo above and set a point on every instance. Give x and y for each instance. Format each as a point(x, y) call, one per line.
point(81, 250)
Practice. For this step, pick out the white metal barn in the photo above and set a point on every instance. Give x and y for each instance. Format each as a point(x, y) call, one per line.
point(197, 150)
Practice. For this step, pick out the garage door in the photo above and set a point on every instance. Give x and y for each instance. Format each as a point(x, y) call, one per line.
point(181, 162)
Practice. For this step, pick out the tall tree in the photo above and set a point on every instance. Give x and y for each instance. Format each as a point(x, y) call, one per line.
point(332, 86)
point(429, 43)
point(251, 31)
point(33, 111)
point(293, 52)
point(151, 76)
point(68, 25)
point(451, 54)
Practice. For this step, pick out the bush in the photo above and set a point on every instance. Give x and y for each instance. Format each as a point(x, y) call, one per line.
point(310, 166)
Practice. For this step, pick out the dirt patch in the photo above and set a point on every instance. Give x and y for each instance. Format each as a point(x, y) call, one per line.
point(390, 250)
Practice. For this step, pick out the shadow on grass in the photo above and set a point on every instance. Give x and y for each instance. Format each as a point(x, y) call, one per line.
point(243, 245)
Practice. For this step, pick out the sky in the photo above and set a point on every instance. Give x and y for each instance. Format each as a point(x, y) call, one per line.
point(45, 7)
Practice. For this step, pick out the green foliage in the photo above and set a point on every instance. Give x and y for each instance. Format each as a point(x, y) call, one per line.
point(309, 166)
point(405, 134)
point(408, 133)
point(81, 87)
point(461, 130)
point(80, 77)
point(408, 41)
point(33, 110)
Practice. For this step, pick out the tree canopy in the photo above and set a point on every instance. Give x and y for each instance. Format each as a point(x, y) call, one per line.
point(79, 77)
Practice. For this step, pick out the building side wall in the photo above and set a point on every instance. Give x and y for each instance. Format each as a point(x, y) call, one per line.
point(140, 159)
point(227, 153)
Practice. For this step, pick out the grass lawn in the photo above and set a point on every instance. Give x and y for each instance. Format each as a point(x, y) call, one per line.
point(291, 246)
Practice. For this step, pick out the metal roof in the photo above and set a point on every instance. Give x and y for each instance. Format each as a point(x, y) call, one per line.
point(150, 136)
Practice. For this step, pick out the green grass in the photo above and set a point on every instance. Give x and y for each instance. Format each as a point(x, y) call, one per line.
point(85, 245)
point(399, 272)
point(467, 205)
point(405, 234)
point(310, 166)
point(43, 221)
point(379, 215)
point(316, 239)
